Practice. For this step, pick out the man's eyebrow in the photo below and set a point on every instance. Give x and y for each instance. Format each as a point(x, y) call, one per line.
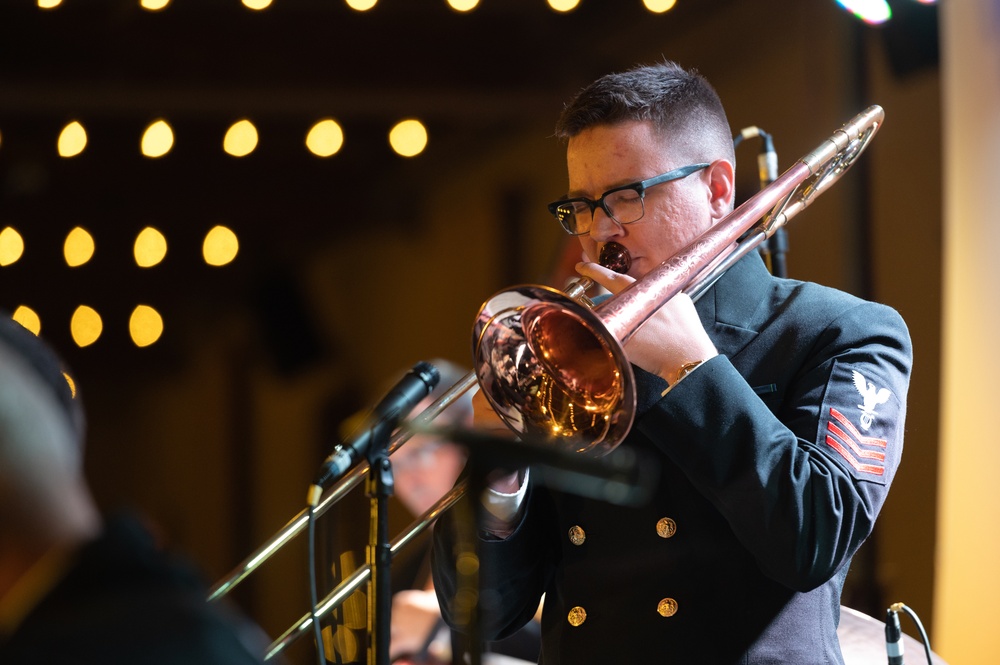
point(577, 194)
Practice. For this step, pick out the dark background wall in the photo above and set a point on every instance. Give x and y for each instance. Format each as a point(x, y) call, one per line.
point(352, 268)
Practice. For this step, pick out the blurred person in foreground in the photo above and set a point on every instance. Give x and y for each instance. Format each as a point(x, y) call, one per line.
point(75, 588)
point(775, 408)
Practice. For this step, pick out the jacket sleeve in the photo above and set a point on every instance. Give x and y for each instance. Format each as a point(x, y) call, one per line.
point(799, 469)
point(512, 572)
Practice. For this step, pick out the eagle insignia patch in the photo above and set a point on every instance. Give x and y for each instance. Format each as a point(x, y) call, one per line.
point(872, 397)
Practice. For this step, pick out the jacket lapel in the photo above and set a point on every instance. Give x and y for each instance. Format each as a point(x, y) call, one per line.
point(730, 310)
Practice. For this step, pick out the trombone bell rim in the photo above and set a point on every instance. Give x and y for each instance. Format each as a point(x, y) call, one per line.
point(517, 338)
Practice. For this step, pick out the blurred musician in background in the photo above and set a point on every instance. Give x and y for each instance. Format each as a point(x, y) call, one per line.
point(775, 407)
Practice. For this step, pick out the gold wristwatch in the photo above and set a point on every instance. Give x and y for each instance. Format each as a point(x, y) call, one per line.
point(687, 368)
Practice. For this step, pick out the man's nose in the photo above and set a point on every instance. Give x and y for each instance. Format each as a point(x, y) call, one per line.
point(603, 227)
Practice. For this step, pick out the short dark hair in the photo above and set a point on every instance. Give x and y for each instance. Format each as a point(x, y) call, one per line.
point(680, 103)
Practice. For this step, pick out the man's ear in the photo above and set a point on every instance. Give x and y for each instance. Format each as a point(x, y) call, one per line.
point(722, 186)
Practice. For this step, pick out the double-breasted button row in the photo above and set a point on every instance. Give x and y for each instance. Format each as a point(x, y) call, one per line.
point(665, 608)
point(665, 528)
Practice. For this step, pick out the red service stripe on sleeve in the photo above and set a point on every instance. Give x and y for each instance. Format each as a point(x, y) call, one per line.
point(866, 468)
point(860, 452)
point(860, 438)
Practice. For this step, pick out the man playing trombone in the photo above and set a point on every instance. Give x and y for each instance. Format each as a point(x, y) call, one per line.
point(775, 408)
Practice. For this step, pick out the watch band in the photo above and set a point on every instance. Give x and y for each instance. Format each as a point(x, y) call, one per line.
point(687, 368)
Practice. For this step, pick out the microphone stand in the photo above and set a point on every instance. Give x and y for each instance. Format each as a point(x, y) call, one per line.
point(467, 644)
point(379, 486)
point(775, 247)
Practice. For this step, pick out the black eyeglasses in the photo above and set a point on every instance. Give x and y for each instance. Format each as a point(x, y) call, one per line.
point(623, 204)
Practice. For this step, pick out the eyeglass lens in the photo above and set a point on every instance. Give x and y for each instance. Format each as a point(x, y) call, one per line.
point(624, 206)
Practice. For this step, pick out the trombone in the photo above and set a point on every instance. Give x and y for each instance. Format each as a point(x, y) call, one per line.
point(580, 396)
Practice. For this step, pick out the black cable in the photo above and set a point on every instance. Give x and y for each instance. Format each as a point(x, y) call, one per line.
point(313, 595)
point(896, 607)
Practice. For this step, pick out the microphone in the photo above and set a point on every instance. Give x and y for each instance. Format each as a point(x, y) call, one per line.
point(767, 161)
point(767, 158)
point(893, 637)
point(398, 402)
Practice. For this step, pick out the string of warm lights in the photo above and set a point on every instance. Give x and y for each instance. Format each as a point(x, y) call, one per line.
point(462, 6)
point(219, 248)
point(870, 11)
point(145, 324)
point(325, 138)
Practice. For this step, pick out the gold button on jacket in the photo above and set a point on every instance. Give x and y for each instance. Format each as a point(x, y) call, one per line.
point(666, 527)
point(667, 607)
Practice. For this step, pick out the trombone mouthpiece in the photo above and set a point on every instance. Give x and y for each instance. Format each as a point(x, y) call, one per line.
point(615, 257)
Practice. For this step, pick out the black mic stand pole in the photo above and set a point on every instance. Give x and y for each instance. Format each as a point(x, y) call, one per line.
point(379, 486)
point(776, 246)
point(468, 646)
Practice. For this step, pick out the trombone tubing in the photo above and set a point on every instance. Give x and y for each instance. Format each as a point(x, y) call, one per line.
point(352, 479)
point(363, 573)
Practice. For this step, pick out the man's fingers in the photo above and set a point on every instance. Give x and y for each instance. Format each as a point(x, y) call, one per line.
point(609, 279)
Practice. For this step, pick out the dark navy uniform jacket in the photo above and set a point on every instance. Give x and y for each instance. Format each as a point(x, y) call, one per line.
point(776, 456)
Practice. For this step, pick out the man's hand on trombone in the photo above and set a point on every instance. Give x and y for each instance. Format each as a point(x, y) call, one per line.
point(671, 338)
